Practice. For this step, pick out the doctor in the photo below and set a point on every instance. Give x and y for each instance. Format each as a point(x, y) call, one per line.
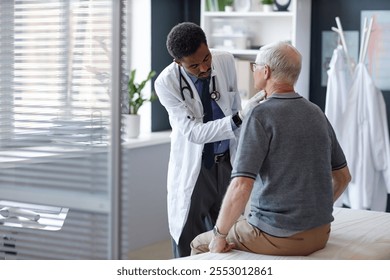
point(199, 91)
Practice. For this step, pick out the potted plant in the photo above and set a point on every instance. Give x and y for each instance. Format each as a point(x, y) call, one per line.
point(135, 100)
point(229, 5)
point(267, 5)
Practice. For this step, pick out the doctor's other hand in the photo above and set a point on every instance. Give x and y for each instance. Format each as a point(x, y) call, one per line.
point(252, 102)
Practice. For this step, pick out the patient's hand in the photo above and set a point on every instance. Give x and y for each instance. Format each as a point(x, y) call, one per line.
point(220, 245)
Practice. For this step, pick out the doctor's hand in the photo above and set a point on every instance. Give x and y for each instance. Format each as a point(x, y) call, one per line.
point(220, 245)
point(252, 102)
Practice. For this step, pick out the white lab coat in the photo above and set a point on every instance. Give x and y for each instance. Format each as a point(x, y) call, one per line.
point(338, 87)
point(189, 133)
point(365, 141)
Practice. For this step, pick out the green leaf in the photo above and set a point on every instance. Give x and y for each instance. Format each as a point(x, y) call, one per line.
point(136, 99)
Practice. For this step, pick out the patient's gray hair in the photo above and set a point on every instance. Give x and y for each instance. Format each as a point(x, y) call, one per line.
point(284, 60)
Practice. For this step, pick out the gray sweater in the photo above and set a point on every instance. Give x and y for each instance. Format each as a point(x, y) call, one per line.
point(288, 146)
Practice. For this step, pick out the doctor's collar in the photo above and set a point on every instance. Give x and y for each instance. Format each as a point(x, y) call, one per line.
point(194, 78)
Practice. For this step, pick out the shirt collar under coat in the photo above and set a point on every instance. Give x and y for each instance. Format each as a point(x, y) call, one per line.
point(286, 95)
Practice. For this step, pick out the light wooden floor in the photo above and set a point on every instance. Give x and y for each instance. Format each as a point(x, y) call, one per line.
point(157, 251)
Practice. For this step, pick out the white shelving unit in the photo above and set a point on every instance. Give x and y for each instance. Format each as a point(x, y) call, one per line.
point(244, 32)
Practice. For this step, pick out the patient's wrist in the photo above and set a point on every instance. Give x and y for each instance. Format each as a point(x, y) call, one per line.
point(217, 233)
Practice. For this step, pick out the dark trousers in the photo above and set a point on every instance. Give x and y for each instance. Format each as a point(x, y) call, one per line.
point(206, 201)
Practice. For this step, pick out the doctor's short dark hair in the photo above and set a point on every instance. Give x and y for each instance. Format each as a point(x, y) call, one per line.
point(184, 39)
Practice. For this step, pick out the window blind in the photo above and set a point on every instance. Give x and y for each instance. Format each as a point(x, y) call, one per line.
point(55, 77)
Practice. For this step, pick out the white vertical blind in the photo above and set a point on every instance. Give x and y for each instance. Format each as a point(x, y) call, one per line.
point(61, 72)
point(55, 78)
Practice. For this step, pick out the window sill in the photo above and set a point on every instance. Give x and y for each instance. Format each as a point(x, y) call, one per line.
point(148, 139)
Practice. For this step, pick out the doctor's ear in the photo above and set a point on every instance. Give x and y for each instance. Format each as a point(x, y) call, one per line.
point(177, 61)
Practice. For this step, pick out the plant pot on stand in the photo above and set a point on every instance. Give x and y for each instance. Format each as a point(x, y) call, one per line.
point(229, 6)
point(268, 5)
point(131, 125)
point(268, 8)
point(131, 120)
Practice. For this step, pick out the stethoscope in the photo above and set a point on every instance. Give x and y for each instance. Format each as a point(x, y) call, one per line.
point(214, 95)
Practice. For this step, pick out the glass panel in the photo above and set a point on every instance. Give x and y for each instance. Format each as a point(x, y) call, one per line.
point(55, 79)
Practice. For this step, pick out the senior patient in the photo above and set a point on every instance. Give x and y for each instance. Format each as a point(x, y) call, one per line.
point(289, 163)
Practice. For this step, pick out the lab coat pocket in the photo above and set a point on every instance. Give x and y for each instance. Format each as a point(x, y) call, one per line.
point(194, 109)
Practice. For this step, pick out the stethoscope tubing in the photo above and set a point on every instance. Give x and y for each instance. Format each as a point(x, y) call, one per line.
point(214, 95)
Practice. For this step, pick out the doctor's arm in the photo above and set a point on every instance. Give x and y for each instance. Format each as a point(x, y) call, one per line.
point(233, 205)
point(341, 178)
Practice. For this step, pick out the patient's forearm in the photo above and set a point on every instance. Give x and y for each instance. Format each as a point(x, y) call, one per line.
point(234, 203)
point(341, 178)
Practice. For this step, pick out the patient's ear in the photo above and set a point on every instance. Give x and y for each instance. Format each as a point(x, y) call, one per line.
point(267, 72)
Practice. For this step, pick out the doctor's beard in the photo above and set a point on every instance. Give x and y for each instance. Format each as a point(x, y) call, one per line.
point(205, 75)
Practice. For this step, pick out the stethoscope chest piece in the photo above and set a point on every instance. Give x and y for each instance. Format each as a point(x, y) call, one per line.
point(215, 95)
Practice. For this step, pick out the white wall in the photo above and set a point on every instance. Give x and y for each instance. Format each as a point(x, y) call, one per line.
point(146, 160)
point(147, 165)
point(140, 51)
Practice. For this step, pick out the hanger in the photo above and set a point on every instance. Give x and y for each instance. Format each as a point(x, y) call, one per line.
point(366, 33)
point(340, 32)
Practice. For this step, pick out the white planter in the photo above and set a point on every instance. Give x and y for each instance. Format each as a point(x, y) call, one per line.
point(268, 8)
point(229, 9)
point(131, 125)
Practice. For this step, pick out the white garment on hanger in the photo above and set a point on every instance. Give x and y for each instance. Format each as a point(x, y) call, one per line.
point(338, 86)
point(364, 138)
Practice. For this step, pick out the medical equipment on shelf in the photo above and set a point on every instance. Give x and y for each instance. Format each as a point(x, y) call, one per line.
point(214, 95)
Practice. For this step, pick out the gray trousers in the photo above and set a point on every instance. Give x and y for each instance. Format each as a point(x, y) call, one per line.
point(206, 200)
